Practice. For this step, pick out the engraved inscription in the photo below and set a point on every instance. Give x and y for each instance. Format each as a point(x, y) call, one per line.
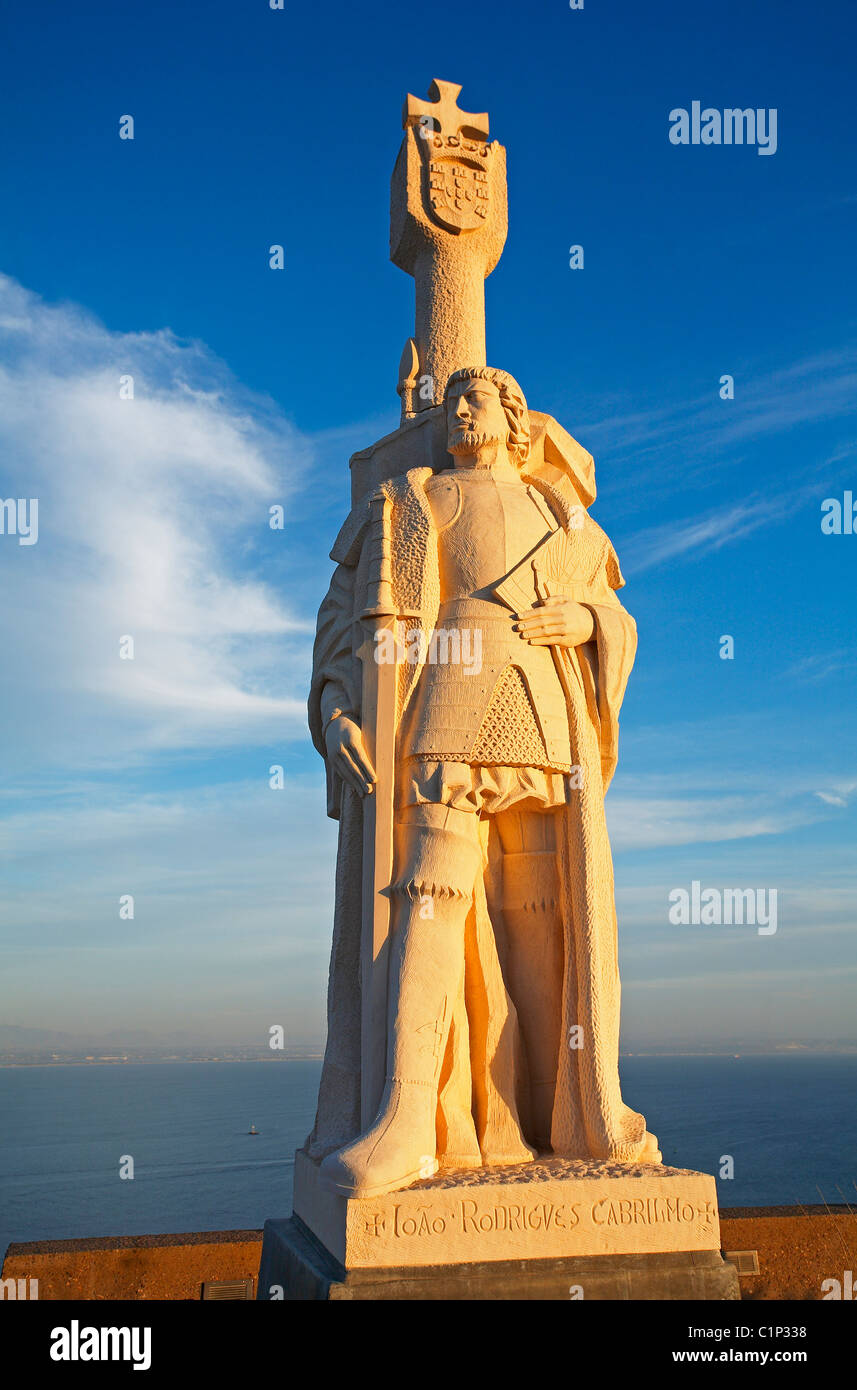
point(649, 1211)
point(419, 1223)
point(472, 1216)
point(517, 1216)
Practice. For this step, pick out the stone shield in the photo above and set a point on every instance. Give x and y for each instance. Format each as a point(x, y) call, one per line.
point(458, 194)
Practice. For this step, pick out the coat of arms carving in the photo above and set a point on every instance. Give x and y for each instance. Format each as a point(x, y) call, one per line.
point(458, 194)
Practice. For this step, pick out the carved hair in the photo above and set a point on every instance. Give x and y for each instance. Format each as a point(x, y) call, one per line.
point(513, 402)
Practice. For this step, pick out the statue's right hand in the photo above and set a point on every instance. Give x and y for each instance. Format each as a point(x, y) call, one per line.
point(346, 753)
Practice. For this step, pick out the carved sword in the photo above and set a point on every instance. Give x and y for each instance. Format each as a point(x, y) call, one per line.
point(378, 723)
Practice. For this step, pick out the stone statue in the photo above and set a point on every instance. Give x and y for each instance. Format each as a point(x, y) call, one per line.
point(471, 1141)
point(469, 667)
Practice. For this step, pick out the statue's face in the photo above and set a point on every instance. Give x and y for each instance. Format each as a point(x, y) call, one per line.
point(475, 418)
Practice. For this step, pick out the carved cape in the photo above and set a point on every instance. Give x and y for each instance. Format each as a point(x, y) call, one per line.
point(482, 1114)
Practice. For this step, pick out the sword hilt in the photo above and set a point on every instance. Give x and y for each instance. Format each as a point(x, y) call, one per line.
point(379, 588)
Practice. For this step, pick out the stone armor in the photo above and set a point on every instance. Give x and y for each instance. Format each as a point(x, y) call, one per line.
point(511, 710)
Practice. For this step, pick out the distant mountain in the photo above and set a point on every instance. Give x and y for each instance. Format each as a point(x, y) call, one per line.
point(17, 1038)
point(12, 1036)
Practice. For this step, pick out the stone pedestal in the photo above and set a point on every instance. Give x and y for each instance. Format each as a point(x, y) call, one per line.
point(557, 1228)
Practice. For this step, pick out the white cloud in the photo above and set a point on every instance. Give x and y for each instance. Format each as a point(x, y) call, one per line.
point(840, 795)
point(152, 516)
point(703, 535)
point(818, 388)
point(818, 666)
point(649, 822)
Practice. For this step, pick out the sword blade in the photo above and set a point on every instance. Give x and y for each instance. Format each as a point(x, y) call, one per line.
point(378, 721)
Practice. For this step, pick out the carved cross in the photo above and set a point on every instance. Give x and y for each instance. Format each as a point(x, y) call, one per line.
point(444, 111)
point(447, 229)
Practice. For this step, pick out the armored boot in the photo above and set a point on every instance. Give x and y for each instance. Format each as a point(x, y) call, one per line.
point(425, 975)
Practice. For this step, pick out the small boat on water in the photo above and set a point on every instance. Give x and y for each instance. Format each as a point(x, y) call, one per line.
point(252, 1130)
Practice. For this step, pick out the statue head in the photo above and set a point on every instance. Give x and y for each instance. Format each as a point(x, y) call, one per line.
point(486, 414)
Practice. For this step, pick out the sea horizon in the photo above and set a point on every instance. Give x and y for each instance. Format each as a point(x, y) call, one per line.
point(197, 1167)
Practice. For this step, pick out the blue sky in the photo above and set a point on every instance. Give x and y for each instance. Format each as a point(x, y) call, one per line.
point(253, 386)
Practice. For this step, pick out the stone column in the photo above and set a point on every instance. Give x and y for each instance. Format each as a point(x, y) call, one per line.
point(448, 221)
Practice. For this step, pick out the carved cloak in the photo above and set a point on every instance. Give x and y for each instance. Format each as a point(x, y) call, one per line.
point(483, 1087)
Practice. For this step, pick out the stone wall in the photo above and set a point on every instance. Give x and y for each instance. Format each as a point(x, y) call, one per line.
point(798, 1248)
point(137, 1267)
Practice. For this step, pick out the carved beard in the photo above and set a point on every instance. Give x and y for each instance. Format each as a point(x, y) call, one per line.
point(469, 441)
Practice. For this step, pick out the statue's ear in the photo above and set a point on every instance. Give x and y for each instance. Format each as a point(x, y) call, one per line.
point(560, 460)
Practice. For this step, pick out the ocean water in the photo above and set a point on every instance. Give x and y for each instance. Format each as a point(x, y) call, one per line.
point(788, 1122)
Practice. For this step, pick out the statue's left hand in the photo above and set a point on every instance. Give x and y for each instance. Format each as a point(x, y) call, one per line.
point(557, 622)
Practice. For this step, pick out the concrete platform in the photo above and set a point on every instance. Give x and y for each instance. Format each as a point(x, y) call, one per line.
point(552, 1229)
point(552, 1208)
point(295, 1267)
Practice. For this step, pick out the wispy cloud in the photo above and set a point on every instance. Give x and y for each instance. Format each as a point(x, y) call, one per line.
point(840, 795)
point(722, 526)
point(819, 666)
point(821, 387)
point(650, 822)
point(152, 511)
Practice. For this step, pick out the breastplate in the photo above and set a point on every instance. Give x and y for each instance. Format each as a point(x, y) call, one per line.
point(485, 695)
point(485, 527)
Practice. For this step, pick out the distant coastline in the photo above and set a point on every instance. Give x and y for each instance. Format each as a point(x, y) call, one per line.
point(27, 1057)
point(38, 1057)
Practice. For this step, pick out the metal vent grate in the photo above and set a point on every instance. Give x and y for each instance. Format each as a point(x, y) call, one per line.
point(745, 1261)
point(228, 1289)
